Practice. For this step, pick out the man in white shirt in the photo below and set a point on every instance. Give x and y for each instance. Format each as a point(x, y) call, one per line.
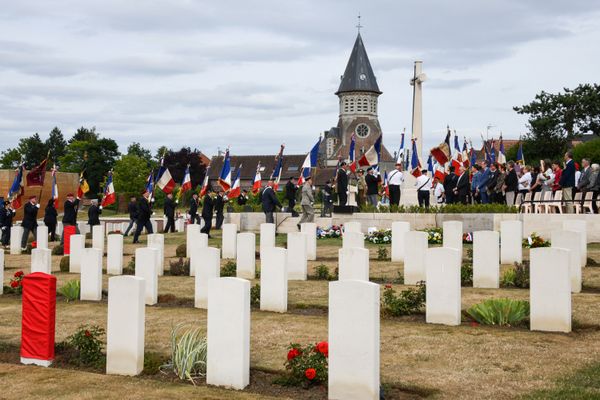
point(423, 185)
point(438, 191)
point(395, 179)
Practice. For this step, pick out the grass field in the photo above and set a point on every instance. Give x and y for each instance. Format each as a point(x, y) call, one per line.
point(418, 360)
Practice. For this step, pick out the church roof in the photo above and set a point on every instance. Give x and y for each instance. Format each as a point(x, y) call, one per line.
point(358, 76)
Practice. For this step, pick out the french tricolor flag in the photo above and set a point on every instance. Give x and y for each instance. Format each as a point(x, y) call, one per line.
point(186, 184)
point(415, 164)
point(309, 162)
point(457, 156)
point(54, 188)
point(351, 155)
point(164, 180)
point(236, 188)
point(257, 182)
point(225, 175)
point(371, 157)
point(204, 188)
point(109, 192)
point(276, 175)
point(386, 184)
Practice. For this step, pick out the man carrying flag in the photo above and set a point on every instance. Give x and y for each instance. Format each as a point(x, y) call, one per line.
point(225, 175)
point(257, 181)
point(16, 191)
point(276, 175)
point(164, 180)
point(441, 153)
point(310, 162)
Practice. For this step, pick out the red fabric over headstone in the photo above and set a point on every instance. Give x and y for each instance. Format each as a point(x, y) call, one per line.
point(67, 232)
point(39, 314)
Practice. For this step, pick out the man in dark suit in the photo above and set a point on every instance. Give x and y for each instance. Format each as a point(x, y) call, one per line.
point(6, 217)
point(269, 202)
point(461, 191)
point(220, 201)
point(143, 218)
point(94, 213)
point(342, 184)
point(567, 181)
point(194, 218)
point(207, 211)
point(169, 209)
point(243, 198)
point(29, 222)
point(291, 187)
point(511, 184)
point(69, 214)
point(133, 210)
point(449, 185)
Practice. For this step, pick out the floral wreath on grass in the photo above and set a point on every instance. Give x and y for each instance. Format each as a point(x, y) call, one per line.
point(381, 236)
point(334, 231)
point(434, 235)
point(534, 240)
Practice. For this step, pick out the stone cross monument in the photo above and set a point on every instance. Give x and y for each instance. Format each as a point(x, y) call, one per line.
point(417, 116)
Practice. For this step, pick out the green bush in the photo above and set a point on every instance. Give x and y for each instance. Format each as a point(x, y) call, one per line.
point(58, 250)
point(130, 268)
point(409, 301)
point(502, 312)
point(322, 272)
point(307, 365)
point(382, 253)
point(255, 295)
point(70, 290)
point(181, 250)
point(180, 267)
point(589, 150)
point(466, 275)
point(517, 276)
point(188, 353)
point(229, 269)
point(64, 264)
point(87, 344)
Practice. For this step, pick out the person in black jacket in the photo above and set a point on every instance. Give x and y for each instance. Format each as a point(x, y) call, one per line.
point(69, 214)
point(50, 219)
point(207, 211)
point(194, 218)
point(94, 213)
point(143, 217)
point(449, 185)
point(169, 209)
point(6, 218)
point(492, 182)
point(463, 186)
point(327, 200)
point(269, 202)
point(133, 213)
point(511, 184)
point(342, 184)
point(243, 198)
point(29, 222)
point(567, 181)
point(372, 187)
point(220, 201)
point(291, 187)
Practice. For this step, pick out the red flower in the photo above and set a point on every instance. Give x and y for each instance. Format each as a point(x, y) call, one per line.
point(388, 286)
point(323, 348)
point(33, 245)
point(19, 274)
point(87, 333)
point(293, 353)
point(310, 373)
point(14, 284)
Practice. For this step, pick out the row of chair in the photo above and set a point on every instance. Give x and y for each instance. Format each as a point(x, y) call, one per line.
point(546, 202)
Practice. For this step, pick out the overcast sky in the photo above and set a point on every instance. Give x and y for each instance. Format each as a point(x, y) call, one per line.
point(253, 74)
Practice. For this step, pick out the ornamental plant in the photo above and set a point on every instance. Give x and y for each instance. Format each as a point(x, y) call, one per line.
point(307, 365)
point(382, 236)
point(434, 235)
point(188, 353)
point(535, 240)
point(70, 290)
point(16, 282)
point(333, 231)
point(87, 343)
point(517, 276)
point(409, 301)
point(501, 312)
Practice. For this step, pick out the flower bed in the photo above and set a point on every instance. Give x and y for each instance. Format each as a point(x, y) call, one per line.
point(434, 235)
point(333, 231)
point(382, 236)
point(307, 365)
point(535, 240)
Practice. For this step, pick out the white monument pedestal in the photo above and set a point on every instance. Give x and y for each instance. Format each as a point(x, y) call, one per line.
point(16, 233)
point(352, 226)
point(114, 254)
point(570, 240)
point(310, 229)
point(146, 267)
point(296, 256)
point(41, 237)
point(98, 237)
point(189, 237)
point(229, 243)
point(77, 247)
point(352, 240)
point(41, 260)
point(157, 241)
point(511, 242)
point(453, 234)
point(267, 237)
point(581, 227)
point(198, 241)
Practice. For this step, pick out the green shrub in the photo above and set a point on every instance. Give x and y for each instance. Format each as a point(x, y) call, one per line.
point(382, 253)
point(517, 276)
point(322, 272)
point(152, 362)
point(502, 312)
point(409, 301)
point(181, 250)
point(70, 290)
point(64, 264)
point(470, 253)
point(255, 295)
point(466, 275)
point(307, 365)
point(188, 353)
point(87, 344)
point(130, 267)
point(180, 267)
point(229, 269)
point(58, 250)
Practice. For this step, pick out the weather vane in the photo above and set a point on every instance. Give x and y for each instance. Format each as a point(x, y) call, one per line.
point(359, 25)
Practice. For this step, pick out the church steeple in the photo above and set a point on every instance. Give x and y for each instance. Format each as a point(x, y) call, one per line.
point(358, 76)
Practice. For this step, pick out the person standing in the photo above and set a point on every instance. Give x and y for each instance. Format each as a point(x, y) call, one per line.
point(594, 186)
point(511, 183)
point(291, 187)
point(29, 222)
point(362, 188)
point(484, 180)
point(557, 174)
point(269, 202)
point(220, 201)
point(525, 181)
point(461, 191)
point(169, 209)
point(194, 218)
point(69, 215)
point(567, 181)
point(395, 179)
point(143, 217)
point(372, 182)
point(51, 219)
point(476, 171)
point(499, 188)
point(327, 199)
point(243, 198)
point(94, 213)
point(207, 211)
point(133, 211)
point(584, 181)
point(438, 191)
point(423, 184)
point(342, 184)
point(6, 222)
point(307, 202)
point(449, 185)
point(492, 182)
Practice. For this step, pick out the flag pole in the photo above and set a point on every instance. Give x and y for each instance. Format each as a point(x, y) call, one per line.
point(44, 174)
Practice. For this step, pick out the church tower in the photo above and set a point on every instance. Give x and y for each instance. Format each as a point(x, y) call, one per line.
point(358, 95)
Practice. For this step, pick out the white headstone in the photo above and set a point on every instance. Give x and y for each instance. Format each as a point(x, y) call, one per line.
point(267, 237)
point(146, 267)
point(41, 260)
point(296, 256)
point(571, 241)
point(353, 240)
point(354, 340)
point(59, 228)
point(91, 275)
point(581, 227)
point(191, 230)
point(442, 272)
point(207, 263)
point(83, 227)
point(353, 264)
point(399, 229)
point(310, 229)
point(77, 247)
point(41, 237)
point(415, 245)
point(16, 233)
point(453, 235)
point(157, 241)
point(98, 237)
point(179, 225)
point(200, 241)
point(511, 242)
point(352, 226)
point(273, 280)
point(1, 272)
point(125, 326)
point(154, 224)
point(228, 244)
point(550, 290)
point(486, 259)
point(114, 254)
point(246, 255)
point(228, 353)
point(109, 227)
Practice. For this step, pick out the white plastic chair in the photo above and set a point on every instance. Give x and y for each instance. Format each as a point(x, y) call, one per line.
point(556, 203)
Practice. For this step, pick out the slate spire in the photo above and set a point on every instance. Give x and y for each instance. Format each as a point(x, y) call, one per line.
point(358, 76)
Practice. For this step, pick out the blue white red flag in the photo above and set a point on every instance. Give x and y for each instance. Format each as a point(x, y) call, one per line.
point(109, 192)
point(309, 162)
point(415, 164)
point(276, 175)
point(371, 156)
point(225, 175)
point(54, 187)
point(204, 188)
point(257, 181)
point(236, 187)
point(164, 180)
point(16, 191)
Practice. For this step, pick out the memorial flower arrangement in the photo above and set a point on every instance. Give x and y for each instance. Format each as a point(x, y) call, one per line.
point(334, 231)
point(468, 238)
point(534, 240)
point(382, 236)
point(308, 365)
point(16, 282)
point(434, 235)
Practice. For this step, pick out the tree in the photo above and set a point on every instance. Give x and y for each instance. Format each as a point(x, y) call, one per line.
point(130, 173)
point(589, 150)
point(136, 149)
point(178, 161)
point(85, 135)
point(10, 159)
point(33, 150)
point(56, 144)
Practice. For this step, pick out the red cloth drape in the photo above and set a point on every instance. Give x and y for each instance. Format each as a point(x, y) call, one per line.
point(67, 232)
point(39, 313)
